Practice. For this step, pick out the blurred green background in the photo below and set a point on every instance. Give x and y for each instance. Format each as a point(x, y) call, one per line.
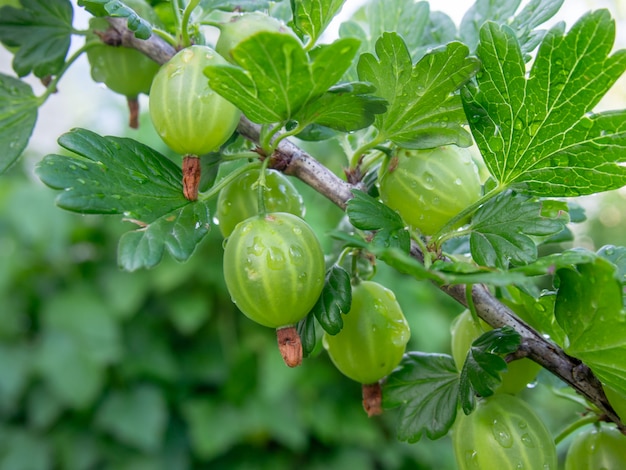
point(157, 370)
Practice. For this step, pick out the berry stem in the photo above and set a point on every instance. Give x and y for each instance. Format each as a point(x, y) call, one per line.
point(289, 345)
point(372, 399)
point(133, 110)
point(191, 176)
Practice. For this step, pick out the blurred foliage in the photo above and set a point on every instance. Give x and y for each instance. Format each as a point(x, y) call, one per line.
point(157, 369)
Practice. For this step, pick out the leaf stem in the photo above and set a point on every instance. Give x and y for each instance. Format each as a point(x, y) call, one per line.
point(594, 418)
point(171, 40)
point(226, 180)
point(358, 153)
point(261, 187)
point(185, 21)
point(52, 86)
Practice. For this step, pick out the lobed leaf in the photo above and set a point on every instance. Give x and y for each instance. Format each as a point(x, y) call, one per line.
point(178, 232)
point(534, 14)
point(306, 331)
point(276, 81)
point(113, 175)
point(367, 213)
point(335, 300)
point(312, 17)
point(501, 230)
point(424, 110)
point(537, 130)
point(483, 365)
point(407, 18)
point(41, 30)
point(589, 308)
point(347, 107)
point(425, 388)
point(18, 115)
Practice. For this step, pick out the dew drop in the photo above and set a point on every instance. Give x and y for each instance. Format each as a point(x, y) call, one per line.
point(527, 440)
point(257, 248)
point(471, 459)
point(297, 230)
point(429, 180)
point(276, 259)
point(502, 434)
point(296, 255)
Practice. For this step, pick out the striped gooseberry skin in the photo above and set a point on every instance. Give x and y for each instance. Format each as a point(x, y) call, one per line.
point(274, 268)
point(503, 433)
point(597, 449)
point(429, 187)
point(241, 27)
point(374, 335)
point(240, 199)
point(190, 117)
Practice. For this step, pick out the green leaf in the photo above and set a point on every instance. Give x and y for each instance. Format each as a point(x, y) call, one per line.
point(404, 263)
point(539, 312)
point(425, 387)
point(115, 175)
point(539, 132)
point(178, 231)
point(483, 365)
point(501, 230)
point(311, 17)
point(275, 79)
point(41, 30)
point(118, 9)
point(407, 18)
point(534, 13)
point(16, 366)
point(589, 308)
point(335, 300)
point(424, 110)
point(18, 114)
point(81, 313)
point(346, 107)
point(465, 272)
point(137, 417)
point(367, 213)
point(74, 377)
point(617, 256)
point(306, 331)
point(550, 263)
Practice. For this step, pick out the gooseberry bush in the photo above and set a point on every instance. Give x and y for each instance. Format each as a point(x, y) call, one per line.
point(459, 155)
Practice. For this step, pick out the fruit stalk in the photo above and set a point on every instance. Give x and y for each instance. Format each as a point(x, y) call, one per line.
point(191, 176)
point(372, 399)
point(289, 345)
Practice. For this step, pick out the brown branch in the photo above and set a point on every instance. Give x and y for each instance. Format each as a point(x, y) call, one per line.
point(292, 160)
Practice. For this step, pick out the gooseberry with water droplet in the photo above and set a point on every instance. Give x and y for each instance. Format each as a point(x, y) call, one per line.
point(429, 187)
point(505, 433)
point(374, 335)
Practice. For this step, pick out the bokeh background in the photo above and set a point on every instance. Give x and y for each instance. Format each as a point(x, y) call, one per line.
point(156, 370)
